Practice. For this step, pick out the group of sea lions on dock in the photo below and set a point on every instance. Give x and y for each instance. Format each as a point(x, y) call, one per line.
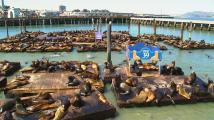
point(83, 102)
point(87, 71)
point(177, 42)
point(84, 40)
point(164, 87)
point(57, 106)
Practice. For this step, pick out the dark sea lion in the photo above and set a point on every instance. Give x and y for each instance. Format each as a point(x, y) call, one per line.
point(7, 105)
point(6, 116)
point(86, 89)
point(77, 101)
point(72, 81)
point(65, 101)
point(20, 110)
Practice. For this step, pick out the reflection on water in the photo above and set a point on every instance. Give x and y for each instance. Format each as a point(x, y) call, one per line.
point(197, 59)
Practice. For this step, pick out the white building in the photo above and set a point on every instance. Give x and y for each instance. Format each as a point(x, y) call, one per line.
point(48, 13)
point(96, 13)
point(14, 12)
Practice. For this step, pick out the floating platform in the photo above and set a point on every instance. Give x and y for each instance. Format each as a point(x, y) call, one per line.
point(49, 82)
point(95, 106)
point(158, 90)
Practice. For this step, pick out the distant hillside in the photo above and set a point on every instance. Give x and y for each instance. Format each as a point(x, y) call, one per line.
point(198, 14)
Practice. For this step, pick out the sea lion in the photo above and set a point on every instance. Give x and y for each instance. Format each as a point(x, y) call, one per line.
point(7, 105)
point(150, 95)
point(59, 113)
point(145, 96)
point(65, 101)
point(77, 101)
point(210, 87)
point(102, 98)
point(86, 89)
point(181, 91)
point(16, 84)
point(125, 89)
point(72, 81)
point(191, 79)
point(20, 110)
point(6, 116)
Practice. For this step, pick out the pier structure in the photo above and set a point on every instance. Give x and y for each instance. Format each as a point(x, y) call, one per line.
point(177, 23)
point(63, 20)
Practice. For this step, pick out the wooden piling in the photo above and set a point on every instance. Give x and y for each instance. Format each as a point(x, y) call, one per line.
point(155, 26)
point(109, 43)
point(182, 31)
point(25, 25)
point(190, 31)
point(139, 28)
point(129, 26)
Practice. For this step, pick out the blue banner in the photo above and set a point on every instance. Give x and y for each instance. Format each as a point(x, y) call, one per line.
point(140, 51)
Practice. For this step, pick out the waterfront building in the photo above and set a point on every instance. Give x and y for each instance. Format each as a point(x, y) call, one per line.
point(48, 13)
point(98, 13)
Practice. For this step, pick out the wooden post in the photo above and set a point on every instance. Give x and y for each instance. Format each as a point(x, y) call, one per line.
point(182, 31)
point(190, 31)
point(6, 25)
point(50, 22)
point(109, 44)
point(25, 25)
point(20, 24)
point(155, 26)
point(209, 27)
point(129, 26)
point(100, 25)
point(97, 25)
point(138, 28)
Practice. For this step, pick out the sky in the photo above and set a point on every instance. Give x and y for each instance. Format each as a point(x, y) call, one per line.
point(172, 7)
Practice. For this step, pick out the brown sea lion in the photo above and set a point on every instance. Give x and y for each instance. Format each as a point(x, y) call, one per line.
point(16, 84)
point(59, 113)
point(145, 96)
point(181, 91)
point(210, 87)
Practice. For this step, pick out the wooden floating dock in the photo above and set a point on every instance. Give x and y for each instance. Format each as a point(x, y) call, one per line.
point(154, 80)
point(50, 82)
